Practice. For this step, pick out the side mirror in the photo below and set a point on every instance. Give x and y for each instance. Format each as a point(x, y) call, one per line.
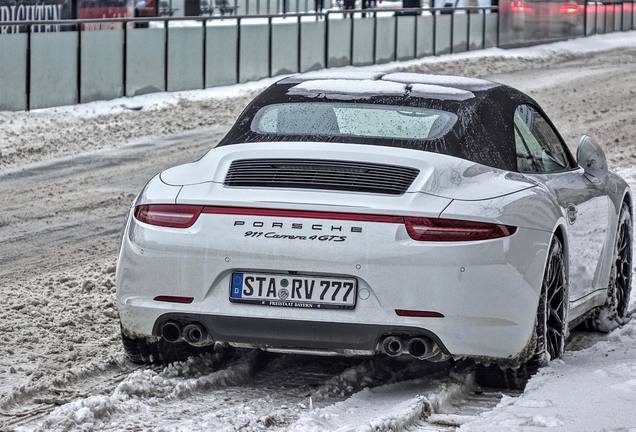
point(591, 158)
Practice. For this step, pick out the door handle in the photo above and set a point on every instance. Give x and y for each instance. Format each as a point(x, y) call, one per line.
point(572, 213)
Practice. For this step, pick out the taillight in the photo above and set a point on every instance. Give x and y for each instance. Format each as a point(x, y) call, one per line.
point(168, 215)
point(446, 230)
point(521, 7)
point(568, 9)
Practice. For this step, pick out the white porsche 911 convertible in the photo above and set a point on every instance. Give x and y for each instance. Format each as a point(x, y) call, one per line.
point(427, 216)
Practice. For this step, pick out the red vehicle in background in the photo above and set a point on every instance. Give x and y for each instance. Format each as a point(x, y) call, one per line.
point(541, 19)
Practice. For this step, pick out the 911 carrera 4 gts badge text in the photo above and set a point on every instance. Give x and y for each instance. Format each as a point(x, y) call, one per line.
point(273, 235)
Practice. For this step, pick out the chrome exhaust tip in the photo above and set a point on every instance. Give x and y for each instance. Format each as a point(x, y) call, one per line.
point(195, 335)
point(171, 331)
point(392, 346)
point(421, 348)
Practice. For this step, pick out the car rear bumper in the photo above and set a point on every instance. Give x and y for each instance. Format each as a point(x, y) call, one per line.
point(487, 291)
point(334, 337)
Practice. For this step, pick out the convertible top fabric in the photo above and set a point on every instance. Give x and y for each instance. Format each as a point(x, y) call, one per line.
point(484, 132)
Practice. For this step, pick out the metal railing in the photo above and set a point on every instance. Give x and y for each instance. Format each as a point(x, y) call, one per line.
point(356, 20)
point(353, 16)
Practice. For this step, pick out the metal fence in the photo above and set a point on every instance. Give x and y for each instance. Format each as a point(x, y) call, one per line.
point(87, 60)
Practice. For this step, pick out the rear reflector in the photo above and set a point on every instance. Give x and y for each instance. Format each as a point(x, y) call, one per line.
point(446, 230)
point(418, 313)
point(174, 299)
point(418, 228)
point(168, 215)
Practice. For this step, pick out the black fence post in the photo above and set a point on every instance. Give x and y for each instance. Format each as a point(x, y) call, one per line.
point(27, 84)
point(299, 43)
point(165, 53)
point(375, 37)
point(205, 51)
point(238, 49)
point(585, 18)
point(124, 66)
point(483, 29)
point(467, 30)
point(595, 18)
point(269, 46)
point(351, 35)
point(395, 37)
point(415, 31)
point(79, 63)
point(327, 39)
point(452, 32)
point(622, 14)
point(434, 32)
point(498, 28)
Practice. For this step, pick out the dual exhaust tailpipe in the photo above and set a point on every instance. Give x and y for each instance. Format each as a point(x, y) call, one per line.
point(421, 348)
point(193, 333)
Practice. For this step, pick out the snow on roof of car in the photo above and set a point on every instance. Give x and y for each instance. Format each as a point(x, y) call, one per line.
point(344, 89)
point(332, 75)
point(443, 80)
point(440, 92)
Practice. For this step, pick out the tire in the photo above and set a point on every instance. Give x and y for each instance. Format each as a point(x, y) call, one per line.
point(550, 329)
point(614, 312)
point(143, 351)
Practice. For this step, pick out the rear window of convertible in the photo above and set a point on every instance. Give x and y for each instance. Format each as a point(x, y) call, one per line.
point(352, 120)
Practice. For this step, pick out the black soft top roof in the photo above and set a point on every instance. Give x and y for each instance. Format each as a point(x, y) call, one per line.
point(484, 132)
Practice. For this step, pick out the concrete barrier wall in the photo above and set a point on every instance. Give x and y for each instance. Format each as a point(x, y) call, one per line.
point(406, 35)
point(424, 35)
point(145, 61)
point(339, 40)
point(476, 29)
point(185, 62)
point(285, 48)
point(385, 40)
point(442, 34)
point(363, 41)
point(312, 44)
point(254, 52)
point(460, 36)
point(13, 51)
point(54, 56)
point(53, 69)
point(102, 65)
point(220, 55)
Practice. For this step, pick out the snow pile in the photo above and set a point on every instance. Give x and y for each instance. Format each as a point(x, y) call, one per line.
point(589, 390)
point(150, 386)
point(389, 407)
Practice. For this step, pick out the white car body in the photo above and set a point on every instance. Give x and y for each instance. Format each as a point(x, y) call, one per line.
point(483, 295)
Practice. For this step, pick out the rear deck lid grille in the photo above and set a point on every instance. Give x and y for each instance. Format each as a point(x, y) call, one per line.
point(321, 174)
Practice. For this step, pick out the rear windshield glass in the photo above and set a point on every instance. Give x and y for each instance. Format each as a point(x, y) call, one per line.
point(353, 120)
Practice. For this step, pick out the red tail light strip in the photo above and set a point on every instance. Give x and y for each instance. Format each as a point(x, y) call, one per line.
point(418, 228)
point(418, 313)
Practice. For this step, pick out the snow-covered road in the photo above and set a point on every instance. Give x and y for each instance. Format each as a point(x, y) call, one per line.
point(61, 366)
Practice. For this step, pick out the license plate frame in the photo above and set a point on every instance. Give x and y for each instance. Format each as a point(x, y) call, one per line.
point(291, 300)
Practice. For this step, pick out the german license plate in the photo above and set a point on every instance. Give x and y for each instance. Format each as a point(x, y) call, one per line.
point(293, 290)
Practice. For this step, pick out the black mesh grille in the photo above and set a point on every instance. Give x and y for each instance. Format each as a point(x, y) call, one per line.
point(321, 174)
